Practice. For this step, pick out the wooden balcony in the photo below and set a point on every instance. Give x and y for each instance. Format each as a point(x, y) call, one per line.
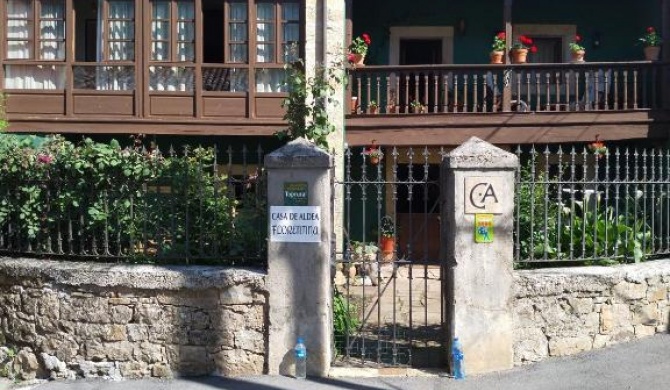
point(446, 104)
point(121, 97)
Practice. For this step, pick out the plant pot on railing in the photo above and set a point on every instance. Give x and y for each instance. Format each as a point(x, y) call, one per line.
point(358, 59)
point(577, 56)
point(518, 56)
point(497, 57)
point(652, 53)
point(415, 107)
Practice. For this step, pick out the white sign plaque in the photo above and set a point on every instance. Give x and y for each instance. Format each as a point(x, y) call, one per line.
point(295, 223)
point(483, 194)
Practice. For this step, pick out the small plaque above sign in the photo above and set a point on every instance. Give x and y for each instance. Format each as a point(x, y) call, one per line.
point(484, 194)
point(483, 228)
point(295, 194)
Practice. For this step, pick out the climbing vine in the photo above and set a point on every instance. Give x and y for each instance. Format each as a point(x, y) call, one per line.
point(308, 101)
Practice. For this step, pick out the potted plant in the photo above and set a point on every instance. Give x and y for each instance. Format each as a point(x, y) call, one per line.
point(519, 51)
point(387, 237)
point(374, 153)
point(363, 251)
point(498, 47)
point(372, 107)
point(415, 107)
point(576, 50)
point(358, 49)
point(652, 44)
point(598, 147)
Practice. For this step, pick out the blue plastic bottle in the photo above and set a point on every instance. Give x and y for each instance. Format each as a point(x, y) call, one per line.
point(457, 368)
point(300, 359)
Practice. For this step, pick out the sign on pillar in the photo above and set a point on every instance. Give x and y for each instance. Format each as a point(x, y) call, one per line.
point(295, 224)
point(482, 198)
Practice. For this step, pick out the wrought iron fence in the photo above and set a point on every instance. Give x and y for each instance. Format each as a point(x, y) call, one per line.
point(592, 203)
point(195, 206)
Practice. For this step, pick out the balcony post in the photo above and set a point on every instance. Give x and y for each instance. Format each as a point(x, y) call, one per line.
point(507, 88)
point(665, 51)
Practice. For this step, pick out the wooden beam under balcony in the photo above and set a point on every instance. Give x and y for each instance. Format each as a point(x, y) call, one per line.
point(176, 126)
point(506, 128)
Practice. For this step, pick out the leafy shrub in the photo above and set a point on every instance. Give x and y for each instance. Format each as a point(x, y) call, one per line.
point(588, 230)
point(102, 200)
point(345, 320)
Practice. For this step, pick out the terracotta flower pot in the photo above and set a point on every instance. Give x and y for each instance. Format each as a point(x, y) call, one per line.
point(577, 56)
point(374, 160)
point(358, 59)
point(372, 109)
point(387, 245)
point(391, 109)
point(652, 53)
point(497, 57)
point(416, 109)
point(353, 105)
point(519, 56)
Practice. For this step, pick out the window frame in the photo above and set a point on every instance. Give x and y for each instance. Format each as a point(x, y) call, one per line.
point(252, 22)
point(34, 37)
point(173, 41)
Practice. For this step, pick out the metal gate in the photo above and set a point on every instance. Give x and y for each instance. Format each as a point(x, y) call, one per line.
point(388, 275)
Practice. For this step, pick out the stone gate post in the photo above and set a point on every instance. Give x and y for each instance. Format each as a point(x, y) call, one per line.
point(477, 209)
point(299, 253)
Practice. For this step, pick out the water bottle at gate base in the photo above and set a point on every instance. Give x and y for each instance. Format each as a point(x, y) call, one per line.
point(300, 359)
point(457, 368)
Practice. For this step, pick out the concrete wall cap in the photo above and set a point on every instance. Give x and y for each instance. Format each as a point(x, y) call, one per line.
point(299, 153)
point(149, 277)
point(637, 271)
point(476, 153)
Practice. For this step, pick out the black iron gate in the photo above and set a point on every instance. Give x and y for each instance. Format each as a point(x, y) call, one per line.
point(388, 276)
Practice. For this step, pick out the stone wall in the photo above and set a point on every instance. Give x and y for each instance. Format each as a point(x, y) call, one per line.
point(569, 310)
point(100, 320)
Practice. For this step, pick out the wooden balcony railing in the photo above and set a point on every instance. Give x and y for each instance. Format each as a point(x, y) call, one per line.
point(425, 89)
point(49, 95)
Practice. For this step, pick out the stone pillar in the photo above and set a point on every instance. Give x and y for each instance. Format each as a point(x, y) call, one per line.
point(478, 184)
point(298, 281)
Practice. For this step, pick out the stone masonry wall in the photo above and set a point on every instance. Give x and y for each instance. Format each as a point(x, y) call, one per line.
point(569, 310)
point(98, 320)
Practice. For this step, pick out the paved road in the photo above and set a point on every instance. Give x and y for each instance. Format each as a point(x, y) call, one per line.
point(643, 364)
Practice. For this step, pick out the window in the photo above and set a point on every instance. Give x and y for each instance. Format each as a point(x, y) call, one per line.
point(173, 31)
point(22, 44)
point(50, 43)
point(277, 34)
point(172, 40)
point(245, 43)
point(119, 31)
point(249, 37)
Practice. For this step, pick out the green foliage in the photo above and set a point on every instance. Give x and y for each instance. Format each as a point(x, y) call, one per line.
point(3, 118)
point(138, 203)
point(345, 315)
point(588, 230)
point(308, 100)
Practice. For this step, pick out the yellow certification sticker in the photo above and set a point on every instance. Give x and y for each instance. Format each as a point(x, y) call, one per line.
point(483, 228)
